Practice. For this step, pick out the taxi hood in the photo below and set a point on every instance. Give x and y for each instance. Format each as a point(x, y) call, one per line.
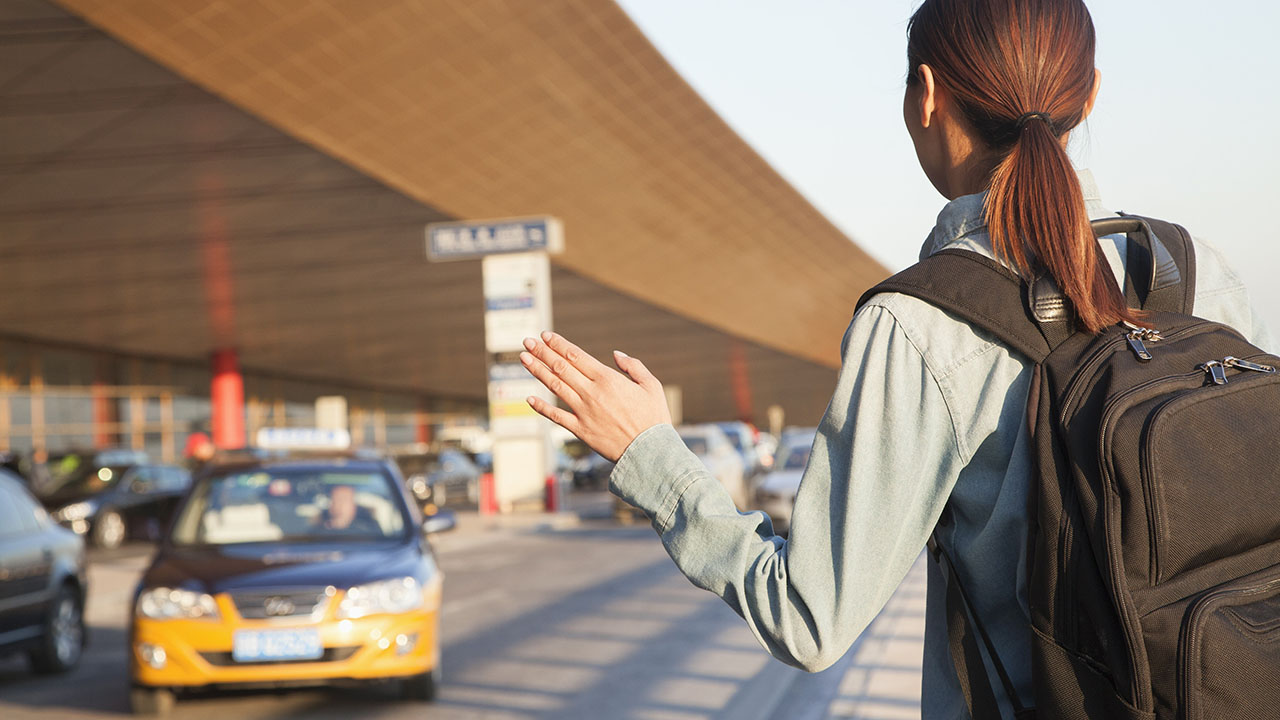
point(215, 569)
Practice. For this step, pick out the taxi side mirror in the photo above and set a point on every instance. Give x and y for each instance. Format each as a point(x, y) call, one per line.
point(440, 521)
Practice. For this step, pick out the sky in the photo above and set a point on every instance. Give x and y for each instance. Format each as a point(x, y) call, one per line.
point(1185, 128)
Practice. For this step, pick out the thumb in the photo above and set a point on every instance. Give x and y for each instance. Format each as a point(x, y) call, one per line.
point(633, 367)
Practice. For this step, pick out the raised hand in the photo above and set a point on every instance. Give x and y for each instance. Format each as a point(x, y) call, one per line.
point(607, 409)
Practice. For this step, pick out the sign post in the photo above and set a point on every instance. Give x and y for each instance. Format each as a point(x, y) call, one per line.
point(515, 256)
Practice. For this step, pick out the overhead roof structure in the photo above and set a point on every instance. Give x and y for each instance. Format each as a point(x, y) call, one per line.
point(267, 168)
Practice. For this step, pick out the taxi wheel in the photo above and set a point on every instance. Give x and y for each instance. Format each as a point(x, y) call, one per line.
point(423, 687)
point(154, 702)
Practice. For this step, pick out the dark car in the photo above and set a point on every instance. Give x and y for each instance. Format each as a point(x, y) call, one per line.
point(290, 572)
point(448, 476)
point(42, 583)
point(112, 496)
point(591, 471)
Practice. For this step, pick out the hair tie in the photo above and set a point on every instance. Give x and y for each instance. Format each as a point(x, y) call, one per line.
point(1028, 117)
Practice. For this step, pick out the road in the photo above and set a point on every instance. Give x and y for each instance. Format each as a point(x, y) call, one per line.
point(587, 621)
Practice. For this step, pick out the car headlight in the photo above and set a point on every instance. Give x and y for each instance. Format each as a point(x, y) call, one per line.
point(388, 596)
point(164, 603)
point(74, 511)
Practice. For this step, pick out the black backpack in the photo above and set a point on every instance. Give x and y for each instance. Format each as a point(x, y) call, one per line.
point(1154, 578)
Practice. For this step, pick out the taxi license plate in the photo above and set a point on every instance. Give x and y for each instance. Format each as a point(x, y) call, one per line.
point(267, 645)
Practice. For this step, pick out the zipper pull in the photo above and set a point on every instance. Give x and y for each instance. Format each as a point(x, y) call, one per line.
point(1136, 345)
point(1216, 371)
point(1246, 365)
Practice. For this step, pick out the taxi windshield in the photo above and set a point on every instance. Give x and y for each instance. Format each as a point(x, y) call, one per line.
point(291, 505)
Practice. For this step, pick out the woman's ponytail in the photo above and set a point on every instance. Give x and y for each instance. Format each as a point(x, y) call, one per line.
point(1021, 72)
point(1037, 220)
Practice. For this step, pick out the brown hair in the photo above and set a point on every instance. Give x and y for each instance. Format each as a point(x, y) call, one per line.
point(1021, 73)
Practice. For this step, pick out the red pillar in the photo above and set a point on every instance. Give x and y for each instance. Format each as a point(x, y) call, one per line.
point(104, 405)
point(228, 400)
point(423, 429)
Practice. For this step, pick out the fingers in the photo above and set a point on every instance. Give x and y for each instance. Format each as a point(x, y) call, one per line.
point(557, 364)
point(633, 368)
point(584, 362)
point(545, 376)
point(564, 419)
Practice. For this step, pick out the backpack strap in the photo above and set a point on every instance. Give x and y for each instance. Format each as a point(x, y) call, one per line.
point(991, 297)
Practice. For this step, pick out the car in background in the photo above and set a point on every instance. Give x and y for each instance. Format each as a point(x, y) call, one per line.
point(776, 494)
point(447, 476)
point(766, 448)
point(290, 572)
point(111, 496)
point(591, 471)
point(743, 438)
point(42, 583)
point(715, 451)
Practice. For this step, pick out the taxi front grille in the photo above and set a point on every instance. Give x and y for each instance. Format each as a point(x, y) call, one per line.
point(265, 604)
point(225, 659)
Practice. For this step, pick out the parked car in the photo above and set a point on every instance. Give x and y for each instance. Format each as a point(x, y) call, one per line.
point(743, 438)
point(776, 495)
point(591, 471)
point(715, 451)
point(447, 476)
point(766, 449)
point(111, 496)
point(290, 572)
point(42, 582)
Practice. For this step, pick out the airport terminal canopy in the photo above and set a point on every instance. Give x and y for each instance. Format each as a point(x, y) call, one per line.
point(259, 176)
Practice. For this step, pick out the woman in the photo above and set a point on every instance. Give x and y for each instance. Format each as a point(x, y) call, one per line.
point(928, 411)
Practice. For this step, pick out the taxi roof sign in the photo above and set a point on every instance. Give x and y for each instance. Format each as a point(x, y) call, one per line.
point(278, 438)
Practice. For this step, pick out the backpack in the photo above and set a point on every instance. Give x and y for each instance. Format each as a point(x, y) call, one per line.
point(1154, 534)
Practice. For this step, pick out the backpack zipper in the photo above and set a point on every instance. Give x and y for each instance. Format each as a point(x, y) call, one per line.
point(1088, 366)
point(1136, 336)
point(1153, 519)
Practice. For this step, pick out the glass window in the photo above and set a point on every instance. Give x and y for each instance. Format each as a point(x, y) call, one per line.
point(696, 443)
point(797, 458)
point(292, 505)
point(173, 479)
point(18, 514)
point(143, 480)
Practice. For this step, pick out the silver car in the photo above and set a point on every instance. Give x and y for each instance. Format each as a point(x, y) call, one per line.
point(42, 583)
point(715, 450)
point(776, 494)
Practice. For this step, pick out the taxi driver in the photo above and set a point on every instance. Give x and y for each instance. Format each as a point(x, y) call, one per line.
point(346, 516)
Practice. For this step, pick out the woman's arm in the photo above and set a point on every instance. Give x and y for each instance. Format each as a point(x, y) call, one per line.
point(866, 505)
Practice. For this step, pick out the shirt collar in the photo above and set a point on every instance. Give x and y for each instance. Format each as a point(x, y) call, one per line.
point(964, 217)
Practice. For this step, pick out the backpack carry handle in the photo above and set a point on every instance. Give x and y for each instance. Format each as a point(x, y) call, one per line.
point(1146, 273)
point(1162, 271)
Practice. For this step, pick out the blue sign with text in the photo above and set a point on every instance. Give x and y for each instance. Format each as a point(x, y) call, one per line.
point(471, 240)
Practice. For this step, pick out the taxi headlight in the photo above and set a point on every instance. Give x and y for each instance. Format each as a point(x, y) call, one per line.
point(388, 596)
point(164, 603)
point(74, 511)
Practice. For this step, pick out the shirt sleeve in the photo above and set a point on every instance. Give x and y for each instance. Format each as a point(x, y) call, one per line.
point(883, 463)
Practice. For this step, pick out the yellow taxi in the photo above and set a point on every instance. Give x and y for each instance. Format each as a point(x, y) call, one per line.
point(287, 572)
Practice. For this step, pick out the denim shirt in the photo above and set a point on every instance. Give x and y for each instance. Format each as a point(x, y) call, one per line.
point(927, 411)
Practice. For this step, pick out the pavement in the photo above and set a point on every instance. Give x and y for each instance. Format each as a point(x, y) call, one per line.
point(879, 679)
point(564, 616)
